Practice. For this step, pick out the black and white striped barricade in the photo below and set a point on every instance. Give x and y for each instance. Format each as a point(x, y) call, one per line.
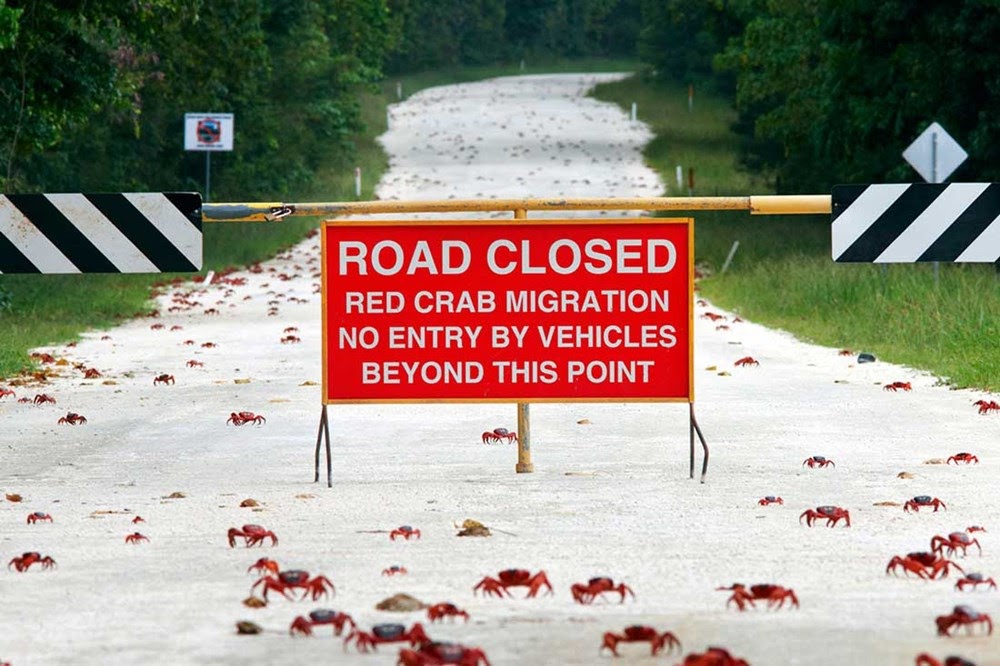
point(148, 232)
point(909, 223)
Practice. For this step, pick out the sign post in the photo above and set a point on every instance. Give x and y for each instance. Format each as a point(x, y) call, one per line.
point(208, 132)
point(572, 310)
point(935, 155)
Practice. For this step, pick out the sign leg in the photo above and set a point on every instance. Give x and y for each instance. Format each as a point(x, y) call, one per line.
point(324, 430)
point(329, 463)
point(524, 464)
point(704, 445)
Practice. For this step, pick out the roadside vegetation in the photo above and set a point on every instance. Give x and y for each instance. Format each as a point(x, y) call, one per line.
point(788, 98)
point(782, 274)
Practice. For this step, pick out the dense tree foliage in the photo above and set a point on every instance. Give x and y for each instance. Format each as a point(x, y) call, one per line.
point(93, 92)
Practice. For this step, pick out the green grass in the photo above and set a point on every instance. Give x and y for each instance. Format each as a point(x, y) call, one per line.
point(782, 274)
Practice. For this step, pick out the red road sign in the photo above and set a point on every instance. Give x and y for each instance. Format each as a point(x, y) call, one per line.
point(504, 311)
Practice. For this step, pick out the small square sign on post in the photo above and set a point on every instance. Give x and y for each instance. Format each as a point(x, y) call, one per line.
point(208, 133)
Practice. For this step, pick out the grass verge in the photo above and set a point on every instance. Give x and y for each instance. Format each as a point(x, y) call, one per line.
point(782, 274)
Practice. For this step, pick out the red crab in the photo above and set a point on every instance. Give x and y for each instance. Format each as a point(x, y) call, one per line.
point(4, 392)
point(239, 418)
point(211, 311)
point(254, 535)
point(513, 578)
point(746, 360)
point(404, 531)
point(318, 586)
point(262, 565)
point(189, 342)
point(156, 327)
point(641, 634)
point(291, 329)
point(137, 520)
point(436, 653)
point(897, 386)
point(92, 373)
point(321, 616)
point(964, 457)
point(833, 514)
point(38, 515)
point(953, 542)
point(713, 317)
point(714, 656)
point(176, 328)
point(774, 594)
point(290, 339)
point(163, 379)
point(136, 537)
point(845, 352)
point(24, 562)
point(987, 406)
point(962, 616)
point(387, 633)
point(925, 565)
point(975, 528)
point(975, 580)
point(585, 593)
point(498, 435)
point(393, 570)
point(817, 461)
point(195, 364)
point(441, 611)
point(924, 659)
point(770, 499)
point(923, 500)
point(72, 418)
point(43, 398)
point(209, 345)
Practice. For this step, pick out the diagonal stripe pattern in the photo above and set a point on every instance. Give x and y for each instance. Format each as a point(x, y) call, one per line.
point(909, 223)
point(100, 233)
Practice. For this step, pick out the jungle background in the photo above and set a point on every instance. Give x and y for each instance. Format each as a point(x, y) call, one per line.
point(792, 96)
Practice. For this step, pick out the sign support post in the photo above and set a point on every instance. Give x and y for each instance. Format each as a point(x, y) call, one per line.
point(524, 464)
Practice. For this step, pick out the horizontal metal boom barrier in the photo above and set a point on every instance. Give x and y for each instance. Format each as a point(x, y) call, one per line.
point(798, 204)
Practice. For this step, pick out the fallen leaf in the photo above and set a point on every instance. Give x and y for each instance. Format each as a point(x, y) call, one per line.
point(473, 528)
point(109, 382)
point(712, 368)
point(934, 461)
point(248, 628)
point(245, 380)
point(13, 497)
point(248, 503)
point(279, 400)
point(580, 474)
point(254, 602)
point(305, 496)
point(583, 422)
point(308, 383)
point(887, 504)
point(905, 475)
point(175, 495)
point(401, 603)
point(724, 373)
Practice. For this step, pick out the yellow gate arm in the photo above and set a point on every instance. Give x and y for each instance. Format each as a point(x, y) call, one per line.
point(794, 204)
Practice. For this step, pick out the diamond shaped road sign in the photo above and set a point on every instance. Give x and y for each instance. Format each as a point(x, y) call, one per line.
point(935, 154)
